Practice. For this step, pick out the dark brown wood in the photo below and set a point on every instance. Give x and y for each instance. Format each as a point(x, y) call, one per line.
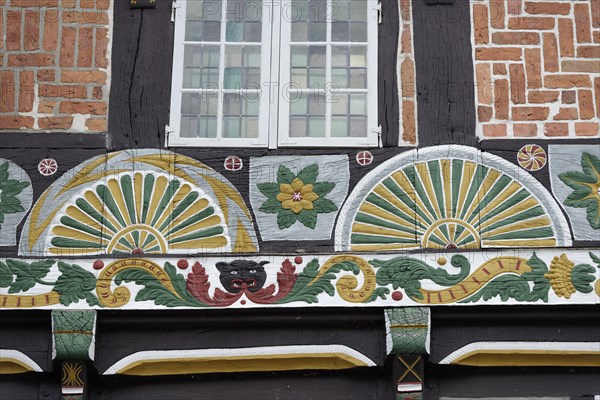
point(123, 333)
point(52, 140)
point(457, 382)
point(444, 65)
point(454, 328)
point(29, 332)
point(360, 384)
point(140, 94)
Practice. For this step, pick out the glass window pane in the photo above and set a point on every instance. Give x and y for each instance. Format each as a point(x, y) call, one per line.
point(316, 78)
point(340, 10)
point(317, 10)
point(358, 104)
point(232, 127)
point(252, 31)
point(358, 10)
point(339, 78)
point(358, 57)
point(299, 56)
point(232, 104)
point(193, 30)
point(234, 32)
point(251, 56)
point(316, 104)
point(212, 10)
point(358, 78)
point(317, 56)
point(339, 126)
point(211, 31)
point(299, 31)
point(340, 31)
point(233, 56)
point(250, 127)
point(299, 78)
point(250, 105)
point(316, 127)
point(298, 127)
point(251, 78)
point(188, 127)
point(358, 32)
point(317, 31)
point(339, 104)
point(339, 56)
point(233, 78)
point(358, 126)
point(298, 105)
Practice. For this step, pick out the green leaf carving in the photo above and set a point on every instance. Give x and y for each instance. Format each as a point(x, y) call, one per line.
point(9, 188)
point(302, 291)
point(582, 276)
point(152, 289)
point(407, 273)
point(6, 277)
point(323, 188)
point(3, 172)
point(27, 275)
point(517, 287)
point(286, 218)
point(74, 284)
point(309, 174)
point(284, 175)
point(308, 218)
point(585, 187)
point(271, 206)
point(595, 259)
point(323, 205)
point(269, 189)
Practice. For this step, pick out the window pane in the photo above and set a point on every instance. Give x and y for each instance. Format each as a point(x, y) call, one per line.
point(208, 11)
point(358, 10)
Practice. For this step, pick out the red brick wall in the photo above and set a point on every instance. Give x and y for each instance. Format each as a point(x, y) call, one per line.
point(54, 64)
point(537, 67)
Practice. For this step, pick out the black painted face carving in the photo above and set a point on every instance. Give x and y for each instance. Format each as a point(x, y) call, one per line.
point(242, 274)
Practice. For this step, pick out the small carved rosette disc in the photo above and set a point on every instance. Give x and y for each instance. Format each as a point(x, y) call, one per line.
point(532, 157)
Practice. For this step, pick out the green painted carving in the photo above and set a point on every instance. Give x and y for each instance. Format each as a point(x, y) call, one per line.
point(297, 197)
point(586, 188)
point(528, 287)
point(407, 273)
point(73, 334)
point(73, 284)
point(9, 189)
point(408, 330)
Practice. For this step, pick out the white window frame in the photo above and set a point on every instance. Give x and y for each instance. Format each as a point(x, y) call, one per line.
point(275, 69)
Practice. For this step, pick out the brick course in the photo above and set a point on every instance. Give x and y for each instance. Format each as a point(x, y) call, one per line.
point(54, 64)
point(537, 67)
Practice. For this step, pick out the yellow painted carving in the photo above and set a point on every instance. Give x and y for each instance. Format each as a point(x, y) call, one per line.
point(243, 241)
point(236, 363)
point(477, 280)
point(142, 228)
point(223, 191)
point(346, 285)
point(29, 301)
point(559, 276)
point(71, 374)
point(512, 358)
point(83, 176)
point(451, 222)
point(121, 295)
point(13, 366)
